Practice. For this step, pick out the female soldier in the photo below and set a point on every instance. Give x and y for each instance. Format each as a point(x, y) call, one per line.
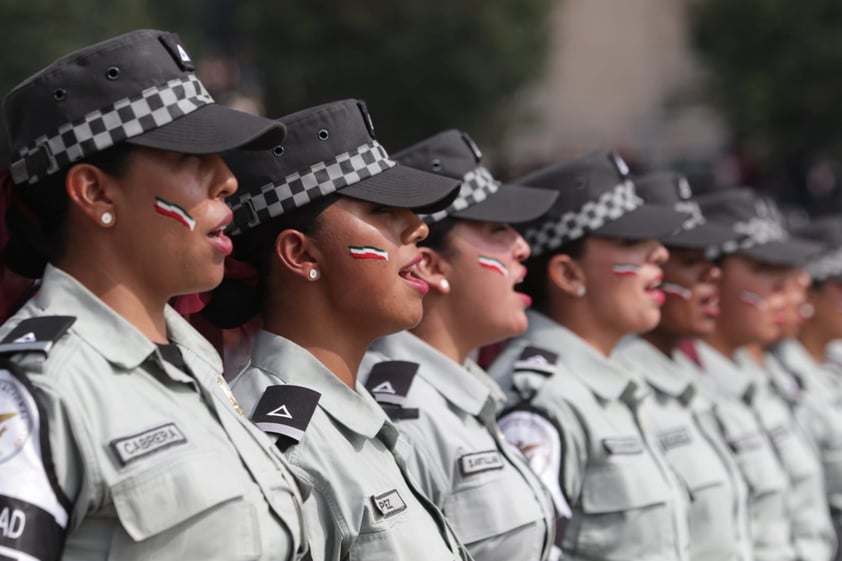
point(118, 437)
point(755, 269)
point(593, 279)
point(325, 220)
point(471, 261)
point(679, 417)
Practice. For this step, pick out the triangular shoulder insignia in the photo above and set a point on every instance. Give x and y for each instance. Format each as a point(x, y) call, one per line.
point(285, 410)
point(538, 360)
point(37, 334)
point(389, 381)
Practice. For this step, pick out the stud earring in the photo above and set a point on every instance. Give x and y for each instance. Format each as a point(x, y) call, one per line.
point(106, 218)
point(444, 284)
point(313, 274)
point(581, 290)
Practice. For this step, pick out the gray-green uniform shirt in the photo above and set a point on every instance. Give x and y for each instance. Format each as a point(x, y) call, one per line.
point(498, 507)
point(577, 414)
point(363, 505)
point(727, 385)
point(150, 462)
point(812, 529)
point(682, 422)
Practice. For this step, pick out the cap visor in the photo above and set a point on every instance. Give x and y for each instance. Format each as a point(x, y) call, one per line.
point(211, 129)
point(511, 204)
point(643, 223)
point(700, 237)
point(792, 252)
point(406, 187)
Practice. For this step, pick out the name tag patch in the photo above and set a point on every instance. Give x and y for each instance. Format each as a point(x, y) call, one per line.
point(480, 461)
point(622, 445)
point(389, 503)
point(746, 443)
point(674, 439)
point(131, 448)
point(779, 432)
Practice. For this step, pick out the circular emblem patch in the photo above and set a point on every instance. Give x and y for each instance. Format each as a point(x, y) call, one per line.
point(16, 416)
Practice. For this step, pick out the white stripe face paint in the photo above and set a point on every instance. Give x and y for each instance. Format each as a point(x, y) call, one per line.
point(368, 252)
point(493, 265)
point(674, 289)
point(625, 269)
point(753, 299)
point(175, 212)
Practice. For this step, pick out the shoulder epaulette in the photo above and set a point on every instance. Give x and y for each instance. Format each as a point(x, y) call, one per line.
point(37, 334)
point(285, 410)
point(534, 359)
point(389, 383)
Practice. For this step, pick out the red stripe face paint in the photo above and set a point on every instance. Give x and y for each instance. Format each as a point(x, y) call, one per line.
point(625, 269)
point(674, 289)
point(174, 211)
point(368, 252)
point(493, 265)
point(753, 299)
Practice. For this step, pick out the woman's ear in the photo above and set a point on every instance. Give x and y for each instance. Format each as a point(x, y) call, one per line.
point(566, 274)
point(295, 253)
point(433, 268)
point(89, 189)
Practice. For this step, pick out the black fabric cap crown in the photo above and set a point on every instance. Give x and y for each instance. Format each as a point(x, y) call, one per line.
point(827, 231)
point(329, 148)
point(140, 88)
point(454, 154)
point(596, 196)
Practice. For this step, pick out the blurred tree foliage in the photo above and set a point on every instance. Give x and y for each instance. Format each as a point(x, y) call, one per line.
point(775, 73)
point(422, 66)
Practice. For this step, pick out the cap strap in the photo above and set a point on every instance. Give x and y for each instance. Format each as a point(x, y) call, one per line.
point(477, 185)
point(572, 225)
point(303, 187)
point(128, 117)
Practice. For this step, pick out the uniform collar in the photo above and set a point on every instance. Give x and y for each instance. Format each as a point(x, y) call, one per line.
point(604, 376)
point(726, 375)
point(114, 337)
point(660, 371)
point(295, 365)
point(454, 382)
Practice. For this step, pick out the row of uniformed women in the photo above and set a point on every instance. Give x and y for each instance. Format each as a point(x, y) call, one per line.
point(120, 440)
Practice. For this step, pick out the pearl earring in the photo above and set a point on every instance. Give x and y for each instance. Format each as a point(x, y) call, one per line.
point(107, 218)
point(313, 274)
point(581, 290)
point(444, 284)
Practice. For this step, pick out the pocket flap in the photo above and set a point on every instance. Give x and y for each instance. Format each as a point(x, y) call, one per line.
point(621, 486)
point(480, 512)
point(166, 494)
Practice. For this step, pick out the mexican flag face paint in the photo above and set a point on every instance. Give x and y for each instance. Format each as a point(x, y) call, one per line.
point(493, 265)
point(174, 211)
point(676, 290)
point(368, 252)
point(625, 269)
point(753, 299)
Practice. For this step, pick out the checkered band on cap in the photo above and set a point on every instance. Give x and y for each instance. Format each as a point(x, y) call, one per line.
point(477, 185)
point(610, 206)
point(103, 128)
point(754, 232)
point(691, 208)
point(300, 188)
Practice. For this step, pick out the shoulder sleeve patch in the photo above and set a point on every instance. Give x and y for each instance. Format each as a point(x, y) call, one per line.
point(540, 441)
point(33, 511)
point(389, 381)
point(286, 410)
point(534, 359)
point(36, 334)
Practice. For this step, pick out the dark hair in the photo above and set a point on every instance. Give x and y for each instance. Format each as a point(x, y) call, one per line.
point(37, 215)
point(235, 301)
point(437, 238)
point(536, 281)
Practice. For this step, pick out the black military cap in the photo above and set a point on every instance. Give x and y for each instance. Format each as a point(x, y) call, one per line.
point(827, 231)
point(329, 148)
point(454, 154)
point(596, 196)
point(672, 190)
point(759, 227)
point(138, 88)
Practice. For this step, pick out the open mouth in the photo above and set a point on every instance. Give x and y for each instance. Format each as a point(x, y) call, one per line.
point(653, 290)
point(409, 273)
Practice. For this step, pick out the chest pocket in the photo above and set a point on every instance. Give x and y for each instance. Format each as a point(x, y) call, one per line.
point(758, 465)
point(798, 459)
point(189, 507)
point(623, 484)
point(491, 504)
point(694, 461)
